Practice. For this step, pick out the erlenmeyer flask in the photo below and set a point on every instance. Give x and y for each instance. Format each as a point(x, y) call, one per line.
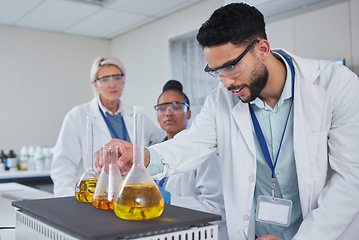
point(138, 197)
point(109, 181)
point(86, 186)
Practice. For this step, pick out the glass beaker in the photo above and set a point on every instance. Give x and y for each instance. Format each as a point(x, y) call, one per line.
point(138, 197)
point(86, 186)
point(109, 181)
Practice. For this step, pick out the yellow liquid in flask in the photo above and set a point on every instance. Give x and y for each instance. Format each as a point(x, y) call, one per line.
point(139, 202)
point(86, 190)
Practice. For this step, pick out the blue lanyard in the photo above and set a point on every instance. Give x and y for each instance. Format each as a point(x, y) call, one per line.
point(110, 127)
point(258, 130)
point(163, 182)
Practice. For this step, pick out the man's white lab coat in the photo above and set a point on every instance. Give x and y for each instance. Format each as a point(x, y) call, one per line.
point(326, 149)
point(70, 154)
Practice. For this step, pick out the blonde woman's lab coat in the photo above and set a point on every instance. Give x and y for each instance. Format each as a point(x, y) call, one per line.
point(326, 135)
point(70, 153)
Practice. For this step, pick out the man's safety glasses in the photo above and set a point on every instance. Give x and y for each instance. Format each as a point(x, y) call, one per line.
point(175, 107)
point(233, 68)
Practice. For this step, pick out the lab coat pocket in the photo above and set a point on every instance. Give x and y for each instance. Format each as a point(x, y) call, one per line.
point(318, 163)
point(318, 158)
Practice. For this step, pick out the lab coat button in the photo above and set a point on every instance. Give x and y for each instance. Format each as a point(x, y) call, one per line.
point(252, 178)
point(246, 217)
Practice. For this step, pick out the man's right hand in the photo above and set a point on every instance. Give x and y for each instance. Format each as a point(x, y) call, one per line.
point(125, 153)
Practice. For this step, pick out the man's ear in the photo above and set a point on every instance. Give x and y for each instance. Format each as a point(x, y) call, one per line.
point(264, 49)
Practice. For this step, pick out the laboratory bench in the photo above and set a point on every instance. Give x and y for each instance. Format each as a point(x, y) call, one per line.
point(10, 192)
point(36, 179)
point(28, 213)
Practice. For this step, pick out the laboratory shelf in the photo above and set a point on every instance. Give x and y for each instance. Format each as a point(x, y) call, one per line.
point(11, 175)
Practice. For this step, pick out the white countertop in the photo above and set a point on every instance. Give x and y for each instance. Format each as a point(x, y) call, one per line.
point(10, 192)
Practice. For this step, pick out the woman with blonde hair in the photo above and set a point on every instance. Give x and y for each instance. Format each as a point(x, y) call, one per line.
point(113, 120)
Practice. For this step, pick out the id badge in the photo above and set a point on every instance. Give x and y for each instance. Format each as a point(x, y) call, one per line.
point(276, 211)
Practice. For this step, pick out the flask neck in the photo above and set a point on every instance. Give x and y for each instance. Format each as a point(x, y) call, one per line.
point(90, 141)
point(138, 156)
point(110, 156)
point(138, 135)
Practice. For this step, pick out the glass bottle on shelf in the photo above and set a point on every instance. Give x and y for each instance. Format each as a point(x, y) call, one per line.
point(138, 197)
point(12, 161)
point(38, 159)
point(3, 158)
point(24, 157)
point(47, 157)
point(109, 181)
point(31, 160)
point(86, 186)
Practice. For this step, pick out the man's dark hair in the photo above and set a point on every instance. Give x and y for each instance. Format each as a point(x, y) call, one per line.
point(237, 23)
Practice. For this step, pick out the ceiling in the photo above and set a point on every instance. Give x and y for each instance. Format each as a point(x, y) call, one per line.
point(274, 10)
point(106, 19)
point(102, 19)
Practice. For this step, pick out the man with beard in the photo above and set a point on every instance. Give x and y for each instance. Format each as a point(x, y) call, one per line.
point(286, 130)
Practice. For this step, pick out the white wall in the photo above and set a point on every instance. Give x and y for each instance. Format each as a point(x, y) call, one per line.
point(329, 33)
point(145, 53)
point(354, 16)
point(42, 76)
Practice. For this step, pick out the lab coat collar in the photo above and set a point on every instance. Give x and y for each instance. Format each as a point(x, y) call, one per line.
point(105, 110)
point(100, 122)
point(240, 114)
point(306, 126)
point(307, 72)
